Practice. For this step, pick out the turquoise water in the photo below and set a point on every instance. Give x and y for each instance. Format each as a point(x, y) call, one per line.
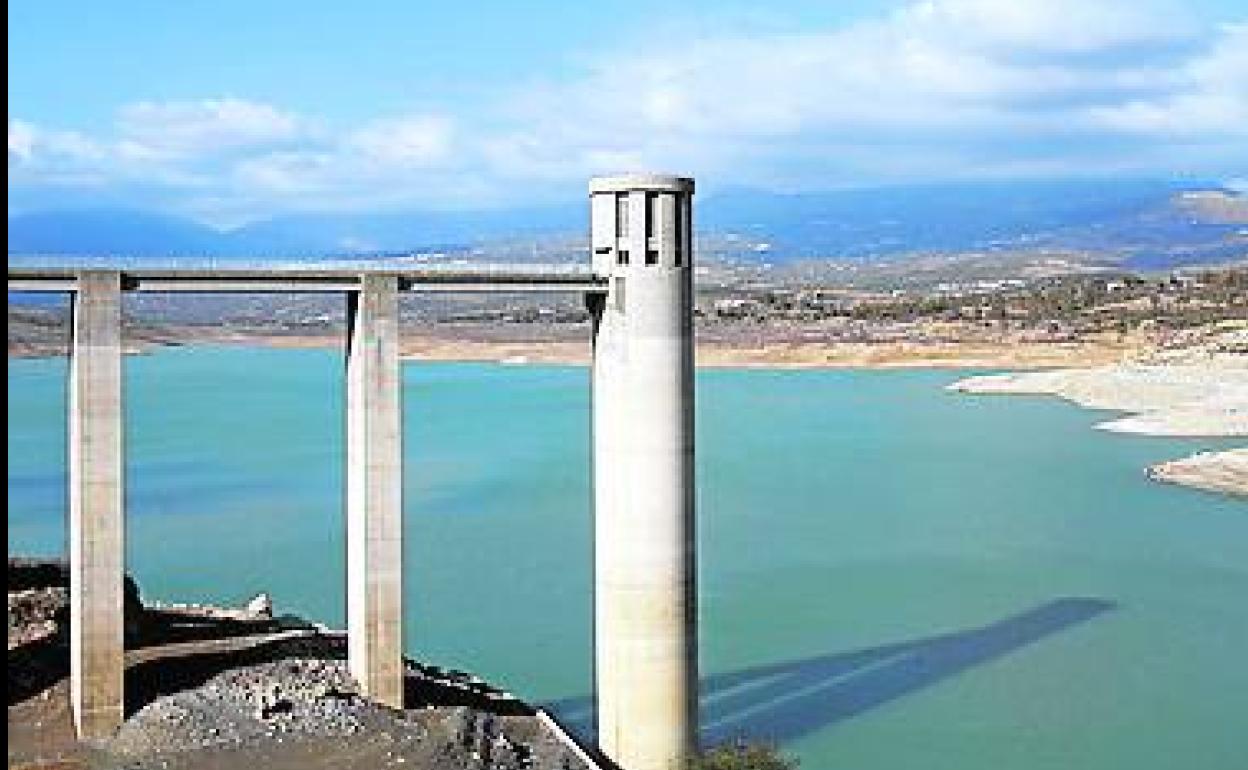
point(891, 576)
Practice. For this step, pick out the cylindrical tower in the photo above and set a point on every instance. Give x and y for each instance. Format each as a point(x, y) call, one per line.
point(645, 567)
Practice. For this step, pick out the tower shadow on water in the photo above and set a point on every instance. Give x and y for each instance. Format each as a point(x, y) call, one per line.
point(788, 700)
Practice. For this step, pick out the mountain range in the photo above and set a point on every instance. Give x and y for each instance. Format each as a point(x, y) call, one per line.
point(1154, 222)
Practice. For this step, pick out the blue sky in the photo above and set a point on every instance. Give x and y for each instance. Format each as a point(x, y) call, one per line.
point(230, 111)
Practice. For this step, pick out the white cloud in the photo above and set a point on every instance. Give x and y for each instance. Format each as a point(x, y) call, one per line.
point(932, 76)
point(287, 173)
point(936, 89)
point(1047, 26)
point(21, 140)
point(1212, 103)
point(31, 145)
point(189, 128)
point(171, 145)
point(415, 140)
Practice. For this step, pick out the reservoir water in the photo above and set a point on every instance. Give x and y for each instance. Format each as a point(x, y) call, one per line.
point(891, 576)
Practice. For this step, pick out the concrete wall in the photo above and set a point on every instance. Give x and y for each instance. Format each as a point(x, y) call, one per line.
point(645, 593)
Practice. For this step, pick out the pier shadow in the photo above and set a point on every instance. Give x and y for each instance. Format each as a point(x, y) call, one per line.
point(37, 665)
point(788, 700)
point(184, 668)
point(776, 702)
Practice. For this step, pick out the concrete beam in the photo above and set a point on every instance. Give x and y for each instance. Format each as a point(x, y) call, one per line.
point(96, 508)
point(42, 284)
point(645, 620)
point(520, 279)
point(374, 490)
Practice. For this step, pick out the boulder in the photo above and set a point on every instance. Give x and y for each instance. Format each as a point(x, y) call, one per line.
point(261, 605)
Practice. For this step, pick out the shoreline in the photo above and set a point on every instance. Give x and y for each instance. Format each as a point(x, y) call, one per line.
point(1220, 472)
point(712, 352)
point(1199, 395)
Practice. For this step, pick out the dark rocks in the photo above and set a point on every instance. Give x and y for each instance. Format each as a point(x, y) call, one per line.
point(36, 613)
point(35, 572)
point(43, 585)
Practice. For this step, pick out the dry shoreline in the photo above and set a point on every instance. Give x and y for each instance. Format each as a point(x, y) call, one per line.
point(1225, 472)
point(572, 347)
point(1199, 394)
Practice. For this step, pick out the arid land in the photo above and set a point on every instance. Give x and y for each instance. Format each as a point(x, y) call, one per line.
point(741, 320)
point(726, 346)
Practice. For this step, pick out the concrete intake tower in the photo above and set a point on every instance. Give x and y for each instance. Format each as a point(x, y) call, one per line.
point(644, 567)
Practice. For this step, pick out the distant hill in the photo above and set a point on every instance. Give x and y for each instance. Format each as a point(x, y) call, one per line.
point(404, 231)
point(1142, 222)
point(110, 231)
point(1112, 215)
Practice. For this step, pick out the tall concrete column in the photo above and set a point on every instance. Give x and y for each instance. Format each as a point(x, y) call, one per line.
point(374, 490)
point(644, 561)
point(96, 508)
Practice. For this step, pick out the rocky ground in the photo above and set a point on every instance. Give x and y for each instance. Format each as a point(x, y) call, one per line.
point(210, 689)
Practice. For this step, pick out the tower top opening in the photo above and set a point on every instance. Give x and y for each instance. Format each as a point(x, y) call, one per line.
point(646, 182)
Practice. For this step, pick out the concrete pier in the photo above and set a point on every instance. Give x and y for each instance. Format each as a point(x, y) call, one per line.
point(375, 490)
point(645, 568)
point(96, 512)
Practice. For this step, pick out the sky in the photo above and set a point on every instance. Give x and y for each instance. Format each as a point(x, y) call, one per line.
point(227, 112)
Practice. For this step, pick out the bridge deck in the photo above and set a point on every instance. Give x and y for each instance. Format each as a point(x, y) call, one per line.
point(556, 278)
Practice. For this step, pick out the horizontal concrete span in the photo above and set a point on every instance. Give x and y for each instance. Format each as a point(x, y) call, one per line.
point(551, 278)
point(639, 290)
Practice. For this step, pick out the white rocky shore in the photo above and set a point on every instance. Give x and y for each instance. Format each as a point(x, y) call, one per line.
point(1216, 471)
point(1162, 399)
point(1193, 393)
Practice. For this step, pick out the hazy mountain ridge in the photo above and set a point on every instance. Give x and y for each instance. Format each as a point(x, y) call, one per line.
point(1142, 223)
point(109, 231)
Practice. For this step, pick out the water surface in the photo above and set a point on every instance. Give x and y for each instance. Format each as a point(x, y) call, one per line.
point(892, 576)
